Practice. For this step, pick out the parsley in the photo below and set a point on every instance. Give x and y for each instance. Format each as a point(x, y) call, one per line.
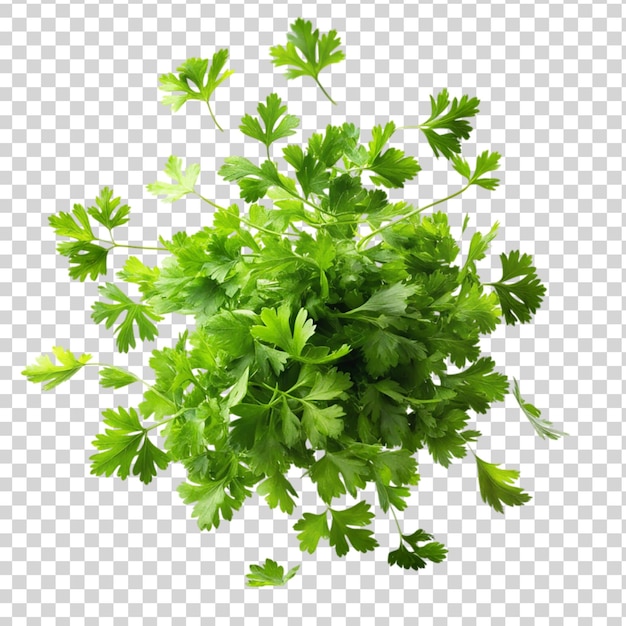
point(199, 74)
point(270, 573)
point(313, 345)
point(306, 53)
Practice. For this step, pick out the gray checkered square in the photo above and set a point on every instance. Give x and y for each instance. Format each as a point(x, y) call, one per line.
point(79, 109)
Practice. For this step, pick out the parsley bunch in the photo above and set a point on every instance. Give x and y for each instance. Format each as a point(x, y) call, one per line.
point(314, 345)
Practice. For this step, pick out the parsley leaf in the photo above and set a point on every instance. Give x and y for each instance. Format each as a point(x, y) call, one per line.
point(345, 528)
point(108, 210)
point(453, 120)
point(270, 574)
point(126, 441)
point(485, 162)
point(88, 259)
point(278, 491)
point(135, 314)
point(415, 556)
point(312, 528)
point(542, 426)
point(196, 73)
point(116, 378)
point(45, 371)
point(185, 180)
point(495, 486)
point(270, 113)
point(317, 52)
point(519, 299)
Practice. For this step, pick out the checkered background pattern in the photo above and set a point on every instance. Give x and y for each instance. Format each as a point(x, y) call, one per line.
point(79, 109)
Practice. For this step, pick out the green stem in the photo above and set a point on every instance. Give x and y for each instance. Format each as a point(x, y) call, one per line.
point(165, 421)
point(213, 116)
point(126, 245)
point(213, 204)
point(410, 214)
point(397, 523)
point(324, 90)
point(240, 218)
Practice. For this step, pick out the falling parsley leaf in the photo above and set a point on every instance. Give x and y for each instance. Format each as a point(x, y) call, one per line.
point(496, 488)
point(542, 426)
point(317, 52)
point(197, 80)
point(270, 574)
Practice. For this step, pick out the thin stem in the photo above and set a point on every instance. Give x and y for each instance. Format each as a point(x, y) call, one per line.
point(213, 204)
point(126, 245)
point(240, 218)
point(169, 419)
point(410, 214)
point(324, 90)
point(213, 116)
point(267, 149)
point(139, 380)
point(405, 127)
point(397, 523)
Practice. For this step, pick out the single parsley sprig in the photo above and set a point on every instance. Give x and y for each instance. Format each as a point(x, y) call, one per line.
point(317, 52)
point(199, 74)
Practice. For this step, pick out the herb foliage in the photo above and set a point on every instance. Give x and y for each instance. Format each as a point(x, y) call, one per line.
point(314, 345)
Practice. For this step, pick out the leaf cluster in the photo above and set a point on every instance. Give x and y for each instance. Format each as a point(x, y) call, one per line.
point(312, 346)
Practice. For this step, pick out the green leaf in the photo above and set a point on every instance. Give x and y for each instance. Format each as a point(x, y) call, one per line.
point(277, 329)
point(126, 441)
point(495, 486)
point(320, 423)
point(326, 474)
point(184, 436)
point(185, 180)
point(317, 52)
point(272, 130)
point(479, 245)
point(478, 385)
point(485, 162)
point(542, 426)
point(253, 181)
point(410, 555)
point(519, 299)
point(212, 502)
point(345, 529)
point(270, 574)
point(108, 210)
point(138, 315)
point(453, 120)
point(278, 491)
point(312, 528)
point(194, 82)
point(116, 378)
point(74, 225)
point(393, 168)
point(44, 371)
